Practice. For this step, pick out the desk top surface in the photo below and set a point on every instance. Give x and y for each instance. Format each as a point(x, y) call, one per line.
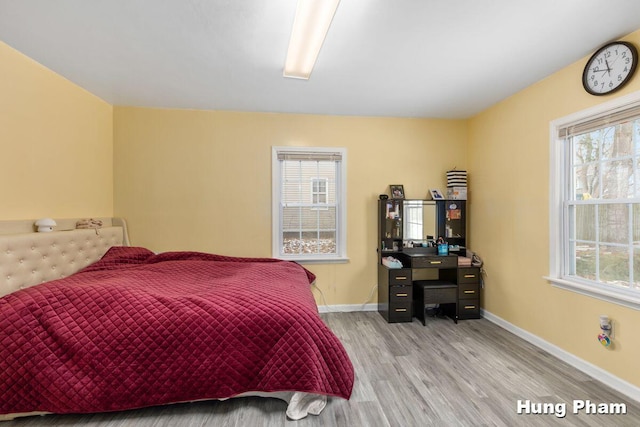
point(430, 255)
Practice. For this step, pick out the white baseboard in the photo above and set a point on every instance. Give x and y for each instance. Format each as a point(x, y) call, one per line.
point(345, 308)
point(618, 384)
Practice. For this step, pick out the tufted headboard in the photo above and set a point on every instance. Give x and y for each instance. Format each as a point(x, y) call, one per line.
point(30, 258)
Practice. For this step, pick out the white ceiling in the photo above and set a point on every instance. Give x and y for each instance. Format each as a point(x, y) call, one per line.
point(401, 58)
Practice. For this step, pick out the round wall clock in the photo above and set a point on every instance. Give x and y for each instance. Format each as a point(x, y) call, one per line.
point(610, 68)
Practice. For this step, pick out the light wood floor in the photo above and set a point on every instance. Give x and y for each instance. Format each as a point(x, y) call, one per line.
point(441, 374)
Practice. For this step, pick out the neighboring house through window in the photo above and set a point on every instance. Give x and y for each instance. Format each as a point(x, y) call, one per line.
point(319, 192)
point(595, 202)
point(309, 203)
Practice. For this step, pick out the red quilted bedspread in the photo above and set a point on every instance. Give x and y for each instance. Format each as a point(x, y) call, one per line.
point(137, 329)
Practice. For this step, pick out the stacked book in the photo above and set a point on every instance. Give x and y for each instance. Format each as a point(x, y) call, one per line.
point(463, 261)
point(456, 185)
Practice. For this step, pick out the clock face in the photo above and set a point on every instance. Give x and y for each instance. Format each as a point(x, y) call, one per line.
point(610, 68)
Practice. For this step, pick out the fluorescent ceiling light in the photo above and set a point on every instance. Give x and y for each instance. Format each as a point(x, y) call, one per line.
point(310, 27)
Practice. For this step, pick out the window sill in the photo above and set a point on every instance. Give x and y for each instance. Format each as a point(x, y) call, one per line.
point(304, 260)
point(601, 292)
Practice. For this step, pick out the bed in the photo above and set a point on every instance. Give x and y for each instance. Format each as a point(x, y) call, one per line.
point(89, 324)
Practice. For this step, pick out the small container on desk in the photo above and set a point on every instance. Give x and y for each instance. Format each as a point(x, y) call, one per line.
point(443, 249)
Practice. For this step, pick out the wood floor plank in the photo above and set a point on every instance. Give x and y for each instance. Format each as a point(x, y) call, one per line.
point(439, 374)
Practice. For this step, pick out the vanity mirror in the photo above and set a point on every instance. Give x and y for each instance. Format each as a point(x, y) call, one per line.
point(406, 224)
point(419, 221)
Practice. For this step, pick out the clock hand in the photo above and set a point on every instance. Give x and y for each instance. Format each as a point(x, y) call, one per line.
point(608, 68)
point(615, 59)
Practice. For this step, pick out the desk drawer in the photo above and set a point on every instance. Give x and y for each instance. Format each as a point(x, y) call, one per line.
point(469, 309)
point(400, 294)
point(469, 290)
point(400, 311)
point(440, 295)
point(434, 261)
point(469, 275)
point(400, 276)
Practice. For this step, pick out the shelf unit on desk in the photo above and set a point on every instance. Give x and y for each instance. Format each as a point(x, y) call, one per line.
point(395, 289)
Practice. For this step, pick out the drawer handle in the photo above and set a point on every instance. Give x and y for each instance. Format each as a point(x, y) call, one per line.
point(469, 307)
point(435, 262)
point(401, 278)
point(469, 276)
point(402, 295)
point(401, 309)
point(469, 292)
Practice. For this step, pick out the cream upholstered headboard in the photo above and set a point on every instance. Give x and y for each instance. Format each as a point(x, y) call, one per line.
point(30, 258)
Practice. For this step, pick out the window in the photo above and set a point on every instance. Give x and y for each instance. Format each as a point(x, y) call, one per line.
point(319, 191)
point(413, 220)
point(595, 202)
point(309, 203)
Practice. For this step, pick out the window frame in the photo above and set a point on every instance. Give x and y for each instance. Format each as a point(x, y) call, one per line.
point(341, 206)
point(559, 227)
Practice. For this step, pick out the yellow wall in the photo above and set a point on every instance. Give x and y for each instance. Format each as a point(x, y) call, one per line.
point(56, 144)
point(201, 180)
point(509, 164)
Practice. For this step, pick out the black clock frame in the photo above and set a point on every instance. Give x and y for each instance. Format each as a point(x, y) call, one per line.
point(634, 55)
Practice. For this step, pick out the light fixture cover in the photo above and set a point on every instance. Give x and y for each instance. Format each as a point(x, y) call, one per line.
point(312, 21)
point(45, 225)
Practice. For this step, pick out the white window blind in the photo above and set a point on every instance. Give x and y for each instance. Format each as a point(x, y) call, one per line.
point(620, 114)
point(309, 209)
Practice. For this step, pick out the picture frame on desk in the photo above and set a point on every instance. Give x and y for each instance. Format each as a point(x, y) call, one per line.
point(436, 194)
point(397, 191)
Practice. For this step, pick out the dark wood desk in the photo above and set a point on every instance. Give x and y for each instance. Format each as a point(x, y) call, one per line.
point(435, 281)
point(427, 279)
